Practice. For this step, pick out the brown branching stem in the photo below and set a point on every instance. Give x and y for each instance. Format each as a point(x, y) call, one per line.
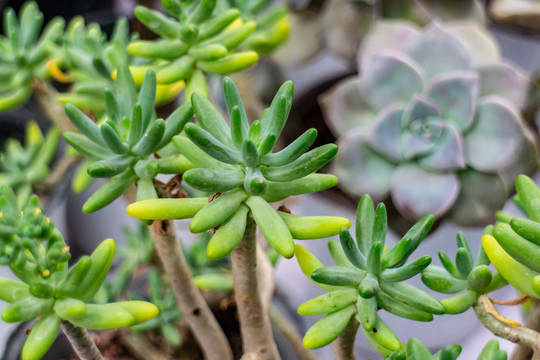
point(197, 314)
point(343, 346)
point(532, 321)
point(46, 96)
point(287, 329)
point(140, 347)
point(254, 321)
point(81, 341)
point(516, 334)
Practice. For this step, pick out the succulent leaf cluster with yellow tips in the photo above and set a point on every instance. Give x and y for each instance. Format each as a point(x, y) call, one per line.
point(237, 161)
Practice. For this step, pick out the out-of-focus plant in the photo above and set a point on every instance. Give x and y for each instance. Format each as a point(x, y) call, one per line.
point(23, 53)
point(23, 166)
point(123, 147)
point(195, 39)
point(237, 163)
point(59, 297)
point(519, 14)
point(432, 118)
point(366, 279)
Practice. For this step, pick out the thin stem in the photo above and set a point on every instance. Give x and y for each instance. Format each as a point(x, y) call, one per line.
point(516, 334)
point(58, 173)
point(287, 329)
point(343, 346)
point(81, 341)
point(140, 347)
point(46, 96)
point(532, 322)
point(197, 314)
point(254, 322)
point(265, 274)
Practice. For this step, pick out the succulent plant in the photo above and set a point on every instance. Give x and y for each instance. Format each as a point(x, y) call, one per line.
point(21, 167)
point(37, 254)
point(237, 163)
point(471, 278)
point(23, 53)
point(513, 244)
point(366, 279)
point(431, 120)
point(195, 39)
point(123, 147)
point(272, 23)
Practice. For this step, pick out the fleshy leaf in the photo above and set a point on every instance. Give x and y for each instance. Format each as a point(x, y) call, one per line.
point(481, 195)
point(455, 94)
point(412, 146)
point(360, 169)
point(387, 35)
point(504, 80)
point(388, 78)
point(481, 46)
point(496, 136)
point(386, 131)
point(438, 52)
point(416, 192)
point(344, 109)
point(448, 153)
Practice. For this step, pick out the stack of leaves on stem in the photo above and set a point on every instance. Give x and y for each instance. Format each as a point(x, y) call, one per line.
point(513, 245)
point(429, 128)
point(21, 167)
point(237, 163)
point(123, 147)
point(195, 39)
point(23, 53)
point(37, 254)
point(366, 279)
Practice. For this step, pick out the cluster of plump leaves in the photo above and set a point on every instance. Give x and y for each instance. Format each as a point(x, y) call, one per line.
point(23, 53)
point(237, 163)
point(417, 350)
point(123, 147)
point(474, 278)
point(24, 165)
point(272, 23)
point(366, 279)
point(513, 244)
point(195, 39)
point(37, 254)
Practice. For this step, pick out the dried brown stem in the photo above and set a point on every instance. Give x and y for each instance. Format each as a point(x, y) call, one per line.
point(197, 314)
point(81, 341)
point(343, 346)
point(287, 329)
point(254, 322)
point(516, 334)
point(518, 301)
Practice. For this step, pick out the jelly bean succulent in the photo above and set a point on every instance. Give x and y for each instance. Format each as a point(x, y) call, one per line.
point(236, 162)
point(471, 278)
point(23, 53)
point(415, 349)
point(366, 279)
point(271, 21)
point(432, 118)
point(194, 39)
point(49, 290)
point(23, 166)
point(123, 146)
point(513, 244)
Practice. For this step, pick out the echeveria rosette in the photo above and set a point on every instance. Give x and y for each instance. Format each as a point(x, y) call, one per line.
point(513, 244)
point(272, 23)
point(432, 119)
point(466, 276)
point(23, 53)
point(124, 146)
point(22, 166)
point(367, 278)
point(237, 163)
point(194, 39)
